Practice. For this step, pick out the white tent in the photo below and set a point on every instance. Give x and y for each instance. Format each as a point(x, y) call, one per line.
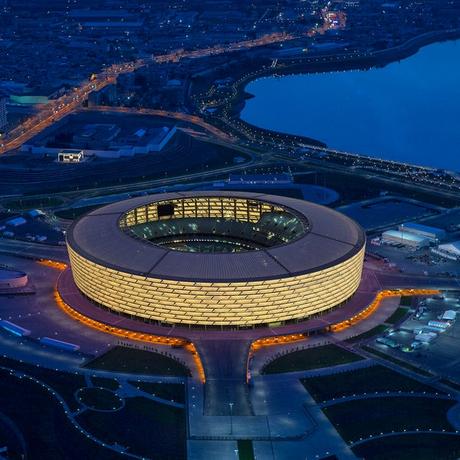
point(449, 315)
point(451, 248)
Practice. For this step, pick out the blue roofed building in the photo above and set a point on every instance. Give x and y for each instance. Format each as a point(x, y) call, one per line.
point(433, 234)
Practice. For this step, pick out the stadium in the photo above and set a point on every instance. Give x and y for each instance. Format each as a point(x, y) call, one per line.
point(216, 259)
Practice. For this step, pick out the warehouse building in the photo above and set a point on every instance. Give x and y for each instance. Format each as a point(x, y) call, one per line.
point(408, 239)
point(433, 234)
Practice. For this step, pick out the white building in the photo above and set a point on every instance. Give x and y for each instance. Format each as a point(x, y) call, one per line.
point(16, 222)
point(434, 234)
point(407, 239)
point(448, 250)
point(449, 315)
point(71, 156)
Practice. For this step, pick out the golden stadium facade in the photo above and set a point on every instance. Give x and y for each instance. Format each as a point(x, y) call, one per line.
point(216, 259)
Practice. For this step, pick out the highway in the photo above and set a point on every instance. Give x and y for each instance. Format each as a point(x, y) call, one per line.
point(59, 108)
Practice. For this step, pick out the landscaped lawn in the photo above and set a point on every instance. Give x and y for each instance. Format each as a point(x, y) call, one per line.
point(397, 361)
point(245, 449)
point(312, 358)
point(365, 417)
point(105, 382)
point(41, 419)
point(73, 213)
point(398, 315)
point(170, 391)
point(367, 380)
point(377, 330)
point(148, 428)
point(411, 447)
point(406, 301)
point(64, 383)
point(29, 203)
point(99, 398)
point(133, 361)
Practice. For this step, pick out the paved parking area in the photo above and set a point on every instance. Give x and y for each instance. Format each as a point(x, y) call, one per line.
point(440, 356)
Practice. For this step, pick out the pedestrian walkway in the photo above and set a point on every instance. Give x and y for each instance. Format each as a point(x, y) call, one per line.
point(287, 424)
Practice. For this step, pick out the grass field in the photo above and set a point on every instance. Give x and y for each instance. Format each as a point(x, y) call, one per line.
point(397, 361)
point(133, 361)
point(20, 204)
point(73, 213)
point(377, 330)
point(99, 399)
point(43, 423)
point(64, 383)
point(398, 315)
point(110, 384)
point(411, 447)
point(406, 301)
point(367, 380)
point(365, 417)
point(169, 391)
point(148, 428)
point(312, 358)
point(245, 449)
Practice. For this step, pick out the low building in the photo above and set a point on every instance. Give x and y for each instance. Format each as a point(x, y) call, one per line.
point(144, 141)
point(12, 278)
point(105, 141)
point(34, 213)
point(448, 251)
point(96, 135)
point(405, 238)
point(71, 156)
point(16, 221)
point(449, 315)
point(434, 234)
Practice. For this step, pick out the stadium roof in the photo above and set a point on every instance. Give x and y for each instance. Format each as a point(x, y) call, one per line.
point(332, 238)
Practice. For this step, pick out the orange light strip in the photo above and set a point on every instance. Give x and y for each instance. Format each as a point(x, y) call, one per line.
point(133, 335)
point(190, 347)
point(376, 304)
point(61, 266)
point(267, 342)
point(277, 340)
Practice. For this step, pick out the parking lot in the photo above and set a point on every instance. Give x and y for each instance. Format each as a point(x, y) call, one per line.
point(420, 262)
point(439, 354)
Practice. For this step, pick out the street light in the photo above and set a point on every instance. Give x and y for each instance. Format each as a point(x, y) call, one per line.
point(231, 420)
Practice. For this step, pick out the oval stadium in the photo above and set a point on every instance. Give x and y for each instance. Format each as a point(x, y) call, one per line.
point(216, 259)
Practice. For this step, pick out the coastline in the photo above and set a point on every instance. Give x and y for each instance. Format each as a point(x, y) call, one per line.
point(328, 63)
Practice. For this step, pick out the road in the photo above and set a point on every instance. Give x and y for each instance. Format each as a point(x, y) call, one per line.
point(179, 116)
point(33, 250)
point(59, 108)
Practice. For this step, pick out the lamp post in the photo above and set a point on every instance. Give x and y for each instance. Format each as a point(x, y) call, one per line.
point(231, 420)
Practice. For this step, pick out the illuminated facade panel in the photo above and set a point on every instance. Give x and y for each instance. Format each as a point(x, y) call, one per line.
point(312, 273)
